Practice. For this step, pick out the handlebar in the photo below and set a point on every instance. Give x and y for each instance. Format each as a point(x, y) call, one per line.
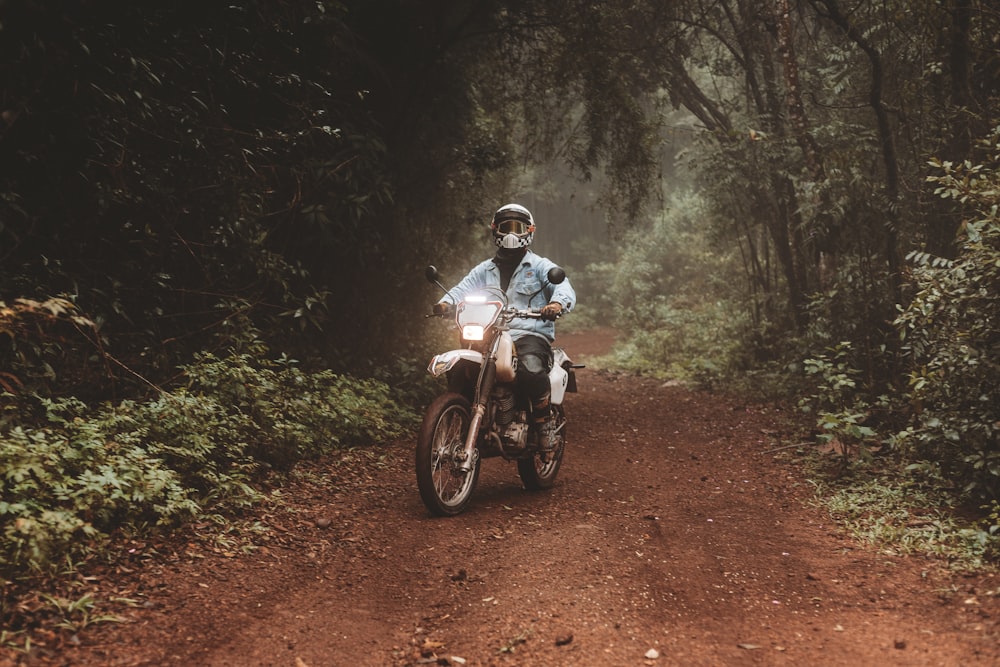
point(529, 314)
point(511, 312)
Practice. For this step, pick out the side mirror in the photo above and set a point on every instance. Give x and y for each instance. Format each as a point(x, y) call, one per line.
point(556, 275)
point(431, 273)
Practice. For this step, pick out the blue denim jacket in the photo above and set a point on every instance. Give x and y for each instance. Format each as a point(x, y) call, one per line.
point(529, 288)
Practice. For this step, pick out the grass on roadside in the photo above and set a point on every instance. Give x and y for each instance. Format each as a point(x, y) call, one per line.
point(891, 510)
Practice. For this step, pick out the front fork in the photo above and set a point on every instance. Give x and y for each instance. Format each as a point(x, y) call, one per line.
point(469, 453)
point(487, 378)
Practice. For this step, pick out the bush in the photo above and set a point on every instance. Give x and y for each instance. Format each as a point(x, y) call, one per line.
point(952, 336)
point(294, 414)
point(77, 474)
point(841, 411)
point(48, 347)
point(70, 480)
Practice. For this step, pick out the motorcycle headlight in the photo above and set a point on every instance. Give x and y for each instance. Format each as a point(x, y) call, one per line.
point(472, 332)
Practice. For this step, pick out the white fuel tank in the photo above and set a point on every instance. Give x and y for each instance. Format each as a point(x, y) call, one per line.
point(506, 361)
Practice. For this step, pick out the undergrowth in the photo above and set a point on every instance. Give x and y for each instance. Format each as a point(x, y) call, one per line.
point(892, 510)
point(72, 474)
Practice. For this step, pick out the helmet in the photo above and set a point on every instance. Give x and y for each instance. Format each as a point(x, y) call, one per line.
point(513, 227)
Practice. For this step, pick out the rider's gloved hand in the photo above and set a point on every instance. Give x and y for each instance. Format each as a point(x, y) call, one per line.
point(551, 311)
point(443, 308)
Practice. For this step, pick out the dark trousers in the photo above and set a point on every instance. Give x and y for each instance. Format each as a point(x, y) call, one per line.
point(534, 361)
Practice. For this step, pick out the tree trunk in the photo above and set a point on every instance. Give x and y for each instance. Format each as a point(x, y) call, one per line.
point(793, 94)
point(776, 200)
point(886, 142)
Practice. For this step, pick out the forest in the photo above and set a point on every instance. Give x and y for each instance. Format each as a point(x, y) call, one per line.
point(214, 220)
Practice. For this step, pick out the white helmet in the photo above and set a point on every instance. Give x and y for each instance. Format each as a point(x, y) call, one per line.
point(513, 227)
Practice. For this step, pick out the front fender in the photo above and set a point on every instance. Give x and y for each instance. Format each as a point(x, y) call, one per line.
point(444, 362)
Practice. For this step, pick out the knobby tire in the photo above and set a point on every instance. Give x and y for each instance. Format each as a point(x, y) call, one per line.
point(538, 473)
point(444, 489)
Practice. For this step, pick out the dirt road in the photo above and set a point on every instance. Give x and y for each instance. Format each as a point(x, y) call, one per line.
point(671, 538)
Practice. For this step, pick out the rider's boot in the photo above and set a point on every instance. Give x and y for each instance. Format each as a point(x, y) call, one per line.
point(544, 426)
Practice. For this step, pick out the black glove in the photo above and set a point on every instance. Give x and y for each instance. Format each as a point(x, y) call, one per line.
point(443, 309)
point(551, 311)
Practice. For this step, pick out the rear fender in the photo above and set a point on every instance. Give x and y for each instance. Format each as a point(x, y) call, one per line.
point(562, 378)
point(558, 381)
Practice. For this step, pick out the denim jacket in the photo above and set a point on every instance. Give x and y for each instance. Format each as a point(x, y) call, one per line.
point(529, 288)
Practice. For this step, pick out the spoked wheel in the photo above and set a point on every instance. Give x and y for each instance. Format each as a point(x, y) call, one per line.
point(539, 472)
point(444, 487)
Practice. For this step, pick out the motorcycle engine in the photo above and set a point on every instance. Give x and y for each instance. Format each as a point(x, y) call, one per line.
point(515, 434)
point(503, 405)
point(513, 431)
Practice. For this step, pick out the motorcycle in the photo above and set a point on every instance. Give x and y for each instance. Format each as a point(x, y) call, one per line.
point(482, 414)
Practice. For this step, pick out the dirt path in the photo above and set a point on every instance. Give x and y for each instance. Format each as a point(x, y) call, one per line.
point(669, 530)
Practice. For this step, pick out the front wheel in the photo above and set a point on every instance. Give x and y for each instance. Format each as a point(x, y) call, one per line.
point(444, 487)
point(539, 472)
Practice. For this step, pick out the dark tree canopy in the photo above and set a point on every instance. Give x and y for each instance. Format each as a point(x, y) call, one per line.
point(195, 175)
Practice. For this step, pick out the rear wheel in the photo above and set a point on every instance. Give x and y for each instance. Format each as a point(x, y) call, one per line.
point(444, 487)
point(539, 472)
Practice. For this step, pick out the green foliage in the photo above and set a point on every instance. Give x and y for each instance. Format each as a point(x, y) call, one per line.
point(992, 529)
point(841, 411)
point(195, 164)
point(49, 347)
point(899, 513)
point(835, 377)
point(951, 331)
point(200, 176)
point(294, 414)
point(84, 473)
point(674, 297)
point(70, 479)
point(79, 613)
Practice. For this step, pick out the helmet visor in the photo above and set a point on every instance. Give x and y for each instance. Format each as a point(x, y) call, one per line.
point(513, 227)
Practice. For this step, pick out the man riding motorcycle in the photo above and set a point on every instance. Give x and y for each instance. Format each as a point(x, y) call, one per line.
point(522, 275)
